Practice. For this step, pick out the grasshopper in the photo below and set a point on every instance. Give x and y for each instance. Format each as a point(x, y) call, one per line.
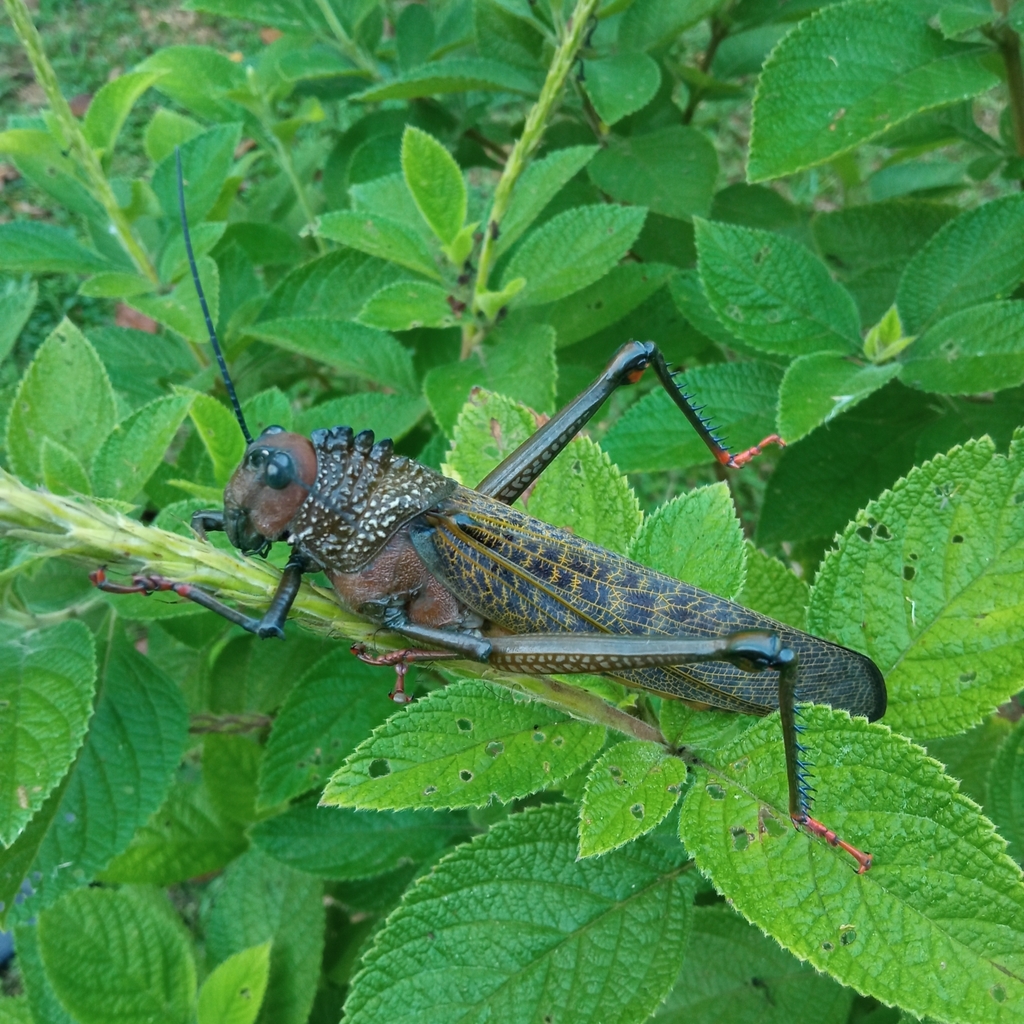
point(461, 574)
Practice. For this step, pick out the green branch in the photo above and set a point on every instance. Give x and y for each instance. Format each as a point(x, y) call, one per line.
point(94, 534)
point(526, 144)
point(74, 137)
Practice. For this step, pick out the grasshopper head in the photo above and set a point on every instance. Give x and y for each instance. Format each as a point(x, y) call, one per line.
point(267, 489)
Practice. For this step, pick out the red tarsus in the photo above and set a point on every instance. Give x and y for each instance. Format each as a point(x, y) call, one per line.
point(815, 827)
point(742, 458)
point(400, 661)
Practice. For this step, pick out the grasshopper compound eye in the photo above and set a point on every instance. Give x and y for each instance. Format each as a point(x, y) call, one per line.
point(279, 470)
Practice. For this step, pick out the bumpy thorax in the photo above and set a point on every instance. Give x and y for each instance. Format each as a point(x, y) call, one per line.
point(362, 496)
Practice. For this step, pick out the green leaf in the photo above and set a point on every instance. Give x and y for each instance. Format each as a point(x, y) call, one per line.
point(648, 23)
point(118, 956)
point(690, 299)
point(456, 74)
point(199, 78)
point(174, 262)
point(820, 482)
point(46, 1008)
point(941, 882)
point(568, 917)
point(868, 246)
point(205, 160)
point(111, 106)
point(331, 709)
point(335, 286)
point(408, 304)
point(696, 538)
point(436, 184)
point(185, 838)
point(220, 434)
point(386, 415)
point(489, 428)
point(17, 300)
point(972, 259)
point(583, 492)
point(266, 409)
point(771, 589)
point(462, 747)
point(30, 247)
point(573, 250)
point(135, 740)
point(130, 455)
point(260, 900)
point(926, 580)
point(1005, 800)
point(653, 434)
point(47, 681)
point(537, 186)
point(519, 364)
point(750, 975)
point(16, 1010)
point(772, 293)
point(600, 305)
point(621, 85)
point(231, 765)
point(44, 162)
point(167, 129)
point(849, 74)
point(820, 386)
point(233, 992)
point(179, 309)
point(340, 844)
point(353, 349)
point(629, 791)
point(968, 756)
point(61, 471)
point(66, 364)
point(115, 285)
point(671, 171)
point(142, 367)
point(378, 236)
point(972, 351)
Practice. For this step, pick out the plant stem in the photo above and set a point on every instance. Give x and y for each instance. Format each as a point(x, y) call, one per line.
point(74, 137)
point(719, 30)
point(526, 144)
point(345, 42)
point(1008, 42)
point(81, 529)
point(284, 158)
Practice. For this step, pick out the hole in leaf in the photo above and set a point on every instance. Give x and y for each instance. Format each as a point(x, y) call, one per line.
point(847, 937)
point(740, 838)
point(998, 993)
point(495, 747)
point(864, 532)
point(637, 810)
point(379, 767)
point(539, 737)
point(430, 790)
point(741, 764)
point(909, 572)
point(715, 792)
point(772, 827)
point(558, 741)
point(913, 556)
point(827, 946)
point(1018, 499)
point(464, 724)
point(466, 775)
point(958, 538)
point(968, 677)
point(882, 532)
point(762, 254)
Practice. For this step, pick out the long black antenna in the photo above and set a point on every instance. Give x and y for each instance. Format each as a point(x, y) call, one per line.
point(202, 302)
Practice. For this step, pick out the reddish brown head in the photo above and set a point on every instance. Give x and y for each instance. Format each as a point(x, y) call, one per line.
point(268, 488)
